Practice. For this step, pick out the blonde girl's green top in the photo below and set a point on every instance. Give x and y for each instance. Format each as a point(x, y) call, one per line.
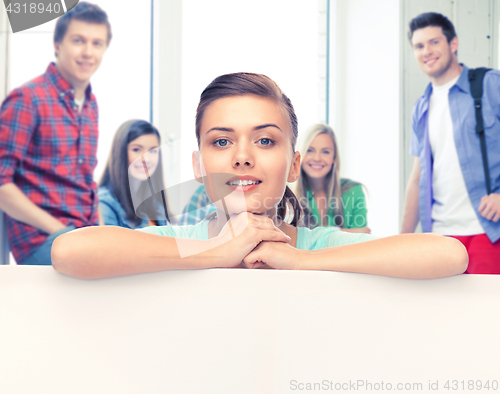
point(353, 206)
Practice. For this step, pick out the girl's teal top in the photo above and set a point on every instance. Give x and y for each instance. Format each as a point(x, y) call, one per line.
point(318, 238)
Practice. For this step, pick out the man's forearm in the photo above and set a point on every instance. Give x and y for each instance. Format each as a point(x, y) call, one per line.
point(15, 204)
point(411, 211)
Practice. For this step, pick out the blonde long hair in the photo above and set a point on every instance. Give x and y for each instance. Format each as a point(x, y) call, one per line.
point(332, 179)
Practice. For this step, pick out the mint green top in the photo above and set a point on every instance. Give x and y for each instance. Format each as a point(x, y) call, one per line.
point(319, 238)
point(353, 206)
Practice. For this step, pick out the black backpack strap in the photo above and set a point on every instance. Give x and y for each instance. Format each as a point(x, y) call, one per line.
point(476, 77)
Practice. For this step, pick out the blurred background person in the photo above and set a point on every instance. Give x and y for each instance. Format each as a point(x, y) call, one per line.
point(327, 199)
point(449, 189)
point(136, 145)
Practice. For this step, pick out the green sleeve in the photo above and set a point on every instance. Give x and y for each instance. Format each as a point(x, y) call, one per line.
point(168, 231)
point(196, 231)
point(354, 206)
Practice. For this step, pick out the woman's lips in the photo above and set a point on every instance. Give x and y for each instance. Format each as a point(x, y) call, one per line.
point(243, 183)
point(316, 167)
point(244, 189)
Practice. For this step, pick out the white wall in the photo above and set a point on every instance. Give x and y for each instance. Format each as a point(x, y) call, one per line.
point(122, 84)
point(366, 89)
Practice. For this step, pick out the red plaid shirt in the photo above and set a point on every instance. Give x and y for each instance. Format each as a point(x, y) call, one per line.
point(48, 149)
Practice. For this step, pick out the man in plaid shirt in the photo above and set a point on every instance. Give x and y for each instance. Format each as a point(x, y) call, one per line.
point(48, 141)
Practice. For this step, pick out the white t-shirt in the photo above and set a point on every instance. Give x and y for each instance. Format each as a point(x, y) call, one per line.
point(79, 103)
point(452, 211)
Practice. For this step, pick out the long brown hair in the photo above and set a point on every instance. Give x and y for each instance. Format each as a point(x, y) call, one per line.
point(332, 179)
point(115, 176)
point(239, 84)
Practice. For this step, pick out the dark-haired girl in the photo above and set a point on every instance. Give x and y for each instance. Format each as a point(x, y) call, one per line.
point(246, 130)
point(134, 158)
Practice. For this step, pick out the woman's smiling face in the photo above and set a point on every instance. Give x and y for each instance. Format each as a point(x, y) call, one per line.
point(143, 151)
point(246, 139)
point(319, 158)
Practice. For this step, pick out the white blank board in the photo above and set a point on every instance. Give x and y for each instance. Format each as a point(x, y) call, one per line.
point(243, 331)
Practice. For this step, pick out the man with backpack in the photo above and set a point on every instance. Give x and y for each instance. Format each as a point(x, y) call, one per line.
point(455, 182)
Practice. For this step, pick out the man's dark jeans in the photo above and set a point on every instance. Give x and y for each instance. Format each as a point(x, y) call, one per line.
point(41, 256)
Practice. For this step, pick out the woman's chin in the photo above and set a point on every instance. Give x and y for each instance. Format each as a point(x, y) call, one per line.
point(140, 174)
point(139, 177)
point(237, 210)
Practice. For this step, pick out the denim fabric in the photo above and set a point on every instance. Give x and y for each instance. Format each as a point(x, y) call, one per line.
point(113, 214)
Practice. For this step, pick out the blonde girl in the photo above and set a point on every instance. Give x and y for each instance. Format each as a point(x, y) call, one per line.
point(327, 199)
point(246, 130)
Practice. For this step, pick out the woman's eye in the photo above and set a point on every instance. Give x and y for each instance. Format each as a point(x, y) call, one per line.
point(222, 142)
point(136, 150)
point(266, 141)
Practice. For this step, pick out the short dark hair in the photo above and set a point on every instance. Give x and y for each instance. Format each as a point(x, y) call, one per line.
point(240, 84)
point(115, 175)
point(85, 12)
point(432, 19)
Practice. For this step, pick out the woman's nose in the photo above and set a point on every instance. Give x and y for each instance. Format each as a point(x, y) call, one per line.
point(243, 157)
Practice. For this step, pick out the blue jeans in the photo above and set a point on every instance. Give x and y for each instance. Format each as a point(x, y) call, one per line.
point(41, 256)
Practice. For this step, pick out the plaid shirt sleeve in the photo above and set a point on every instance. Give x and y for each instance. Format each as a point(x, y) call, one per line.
point(17, 122)
point(198, 207)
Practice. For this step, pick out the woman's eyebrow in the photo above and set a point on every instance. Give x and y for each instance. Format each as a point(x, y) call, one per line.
point(267, 125)
point(228, 129)
point(221, 129)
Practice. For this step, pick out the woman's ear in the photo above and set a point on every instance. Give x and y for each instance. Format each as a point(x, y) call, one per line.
point(294, 168)
point(198, 173)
